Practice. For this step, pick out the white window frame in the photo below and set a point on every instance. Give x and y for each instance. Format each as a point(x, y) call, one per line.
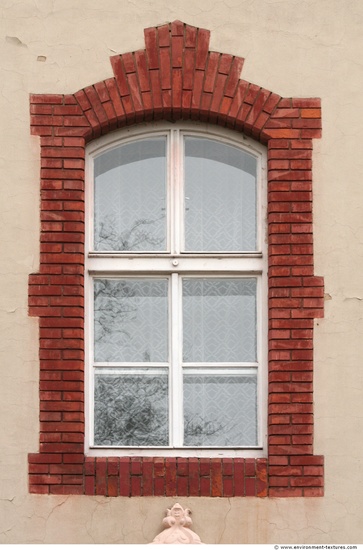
point(174, 264)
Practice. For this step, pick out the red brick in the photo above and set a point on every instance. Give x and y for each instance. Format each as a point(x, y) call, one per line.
point(285, 102)
point(285, 492)
point(239, 478)
point(147, 477)
point(89, 485)
point(286, 113)
point(182, 487)
point(112, 486)
point(66, 489)
point(170, 476)
point(136, 466)
point(205, 489)
point(313, 491)
point(164, 35)
point(102, 92)
point(128, 63)
point(307, 481)
point(278, 481)
point(310, 113)
point(39, 489)
point(177, 44)
point(113, 466)
point(45, 479)
point(307, 460)
point(39, 469)
point(125, 477)
point(281, 133)
point(227, 464)
point(194, 477)
point(90, 466)
point(115, 99)
point(159, 486)
point(306, 102)
point(227, 487)
point(250, 485)
point(136, 489)
point(72, 479)
point(202, 48)
point(313, 470)
point(278, 460)
point(101, 469)
point(285, 471)
point(151, 47)
point(216, 477)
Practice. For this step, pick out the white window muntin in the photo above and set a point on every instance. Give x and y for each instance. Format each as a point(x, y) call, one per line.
point(175, 366)
point(117, 367)
point(222, 264)
point(175, 193)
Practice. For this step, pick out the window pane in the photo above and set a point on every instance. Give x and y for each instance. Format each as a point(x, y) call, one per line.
point(220, 197)
point(220, 410)
point(130, 197)
point(131, 409)
point(219, 320)
point(131, 320)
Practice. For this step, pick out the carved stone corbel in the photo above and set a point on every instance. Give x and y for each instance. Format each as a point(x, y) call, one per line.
point(177, 527)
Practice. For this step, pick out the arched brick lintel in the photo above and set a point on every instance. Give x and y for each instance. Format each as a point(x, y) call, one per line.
point(176, 77)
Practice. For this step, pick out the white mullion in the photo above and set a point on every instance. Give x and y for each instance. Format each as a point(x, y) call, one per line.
point(221, 365)
point(176, 379)
point(262, 357)
point(129, 364)
point(90, 371)
point(90, 200)
point(131, 369)
point(174, 191)
point(194, 265)
point(169, 194)
point(261, 204)
point(222, 370)
point(182, 198)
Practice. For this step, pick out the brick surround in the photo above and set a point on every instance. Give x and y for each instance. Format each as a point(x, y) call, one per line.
point(176, 77)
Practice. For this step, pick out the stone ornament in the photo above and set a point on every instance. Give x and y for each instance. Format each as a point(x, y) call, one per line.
point(177, 527)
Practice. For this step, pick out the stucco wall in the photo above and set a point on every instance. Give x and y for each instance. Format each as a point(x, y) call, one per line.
point(295, 48)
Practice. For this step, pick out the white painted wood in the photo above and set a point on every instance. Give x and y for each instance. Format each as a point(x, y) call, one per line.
point(175, 264)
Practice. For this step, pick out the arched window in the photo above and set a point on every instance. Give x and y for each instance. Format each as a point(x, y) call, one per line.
point(191, 250)
point(177, 292)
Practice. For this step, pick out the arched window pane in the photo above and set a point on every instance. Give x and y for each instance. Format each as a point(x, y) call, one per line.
point(220, 197)
point(130, 197)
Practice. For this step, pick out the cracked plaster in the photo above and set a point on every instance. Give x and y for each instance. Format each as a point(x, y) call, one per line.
point(294, 47)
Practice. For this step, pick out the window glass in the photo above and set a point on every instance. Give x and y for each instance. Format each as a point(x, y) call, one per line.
point(175, 324)
point(220, 197)
point(131, 320)
point(219, 320)
point(130, 197)
point(220, 410)
point(131, 408)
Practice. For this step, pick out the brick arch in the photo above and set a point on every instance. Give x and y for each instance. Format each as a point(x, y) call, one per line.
point(176, 77)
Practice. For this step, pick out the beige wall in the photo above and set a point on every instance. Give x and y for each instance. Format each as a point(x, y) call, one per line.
point(293, 47)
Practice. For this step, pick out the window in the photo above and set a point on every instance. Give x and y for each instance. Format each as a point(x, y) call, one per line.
point(177, 292)
point(295, 294)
